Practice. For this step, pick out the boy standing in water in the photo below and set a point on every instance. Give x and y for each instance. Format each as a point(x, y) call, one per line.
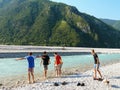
point(30, 58)
point(96, 65)
point(58, 64)
point(46, 61)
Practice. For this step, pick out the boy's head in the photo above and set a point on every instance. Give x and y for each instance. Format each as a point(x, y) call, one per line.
point(30, 53)
point(44, 52)
point(55, 53)
point(92, 51)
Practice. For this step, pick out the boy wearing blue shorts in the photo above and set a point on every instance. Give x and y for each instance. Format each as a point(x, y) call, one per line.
point(96, 65)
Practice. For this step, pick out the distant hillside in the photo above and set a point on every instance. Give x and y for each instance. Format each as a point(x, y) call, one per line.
point(42, 22)
point(114, 23)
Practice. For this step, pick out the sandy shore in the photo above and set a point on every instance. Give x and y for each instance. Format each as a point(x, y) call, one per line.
point(110, 72)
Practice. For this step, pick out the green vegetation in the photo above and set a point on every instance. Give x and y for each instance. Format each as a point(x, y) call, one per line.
point(114, 23)
point(42, 22)
point(117, 25)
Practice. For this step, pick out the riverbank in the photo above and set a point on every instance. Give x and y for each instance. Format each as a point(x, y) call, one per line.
point(70, 82)
point(16, 49)
point(18, 81)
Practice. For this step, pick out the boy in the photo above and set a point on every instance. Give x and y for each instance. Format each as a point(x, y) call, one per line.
point(46, 61)
point(96, 65)
point(58, 64)
point(30, 58)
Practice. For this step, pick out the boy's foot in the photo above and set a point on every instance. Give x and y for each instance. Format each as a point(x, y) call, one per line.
point(29, 82)
point(45, 78)
point(100, 79)
point(56, 75)
point(95, 78)
point(33, 81)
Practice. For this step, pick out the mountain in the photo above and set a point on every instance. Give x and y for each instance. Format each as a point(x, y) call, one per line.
point(114, 23)
point(42, 22)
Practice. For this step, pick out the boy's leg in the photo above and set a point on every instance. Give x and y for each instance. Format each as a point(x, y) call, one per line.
point(95, 75)
point(60, 69)
point(56, 71)
point(99, 73)
point(29, 75)
point(95, 72)
point(32, 74)
point(99, 70)
point(45, 71)
point(45, 74)
point(59, 72)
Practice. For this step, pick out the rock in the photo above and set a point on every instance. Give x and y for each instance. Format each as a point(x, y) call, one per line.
point(64, 83)
point(1, 84)
point(56, 84)
point(78, 84)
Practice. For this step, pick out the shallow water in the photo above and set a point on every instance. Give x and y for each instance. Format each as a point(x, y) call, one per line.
point(11, 67)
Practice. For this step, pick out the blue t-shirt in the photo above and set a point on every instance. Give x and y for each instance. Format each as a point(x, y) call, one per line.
point(30, 60)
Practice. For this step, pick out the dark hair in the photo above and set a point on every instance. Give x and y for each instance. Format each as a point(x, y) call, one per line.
point(55, 53)
point(30, 53)
point(44, 52)
point(93, 50)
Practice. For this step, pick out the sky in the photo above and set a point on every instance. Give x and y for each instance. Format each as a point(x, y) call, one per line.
point(107, 9)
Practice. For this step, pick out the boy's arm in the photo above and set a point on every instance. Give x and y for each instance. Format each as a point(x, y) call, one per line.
point(61, 61)
point(20, 58)
point(41, 62)
point(55, 62)
point(38, 56)
point(49, 61)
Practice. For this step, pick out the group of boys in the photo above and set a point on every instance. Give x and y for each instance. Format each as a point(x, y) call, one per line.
point(57, 63)
point(45, 61)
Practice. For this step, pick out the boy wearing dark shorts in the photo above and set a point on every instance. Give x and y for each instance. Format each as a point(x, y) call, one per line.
point(45, 60)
